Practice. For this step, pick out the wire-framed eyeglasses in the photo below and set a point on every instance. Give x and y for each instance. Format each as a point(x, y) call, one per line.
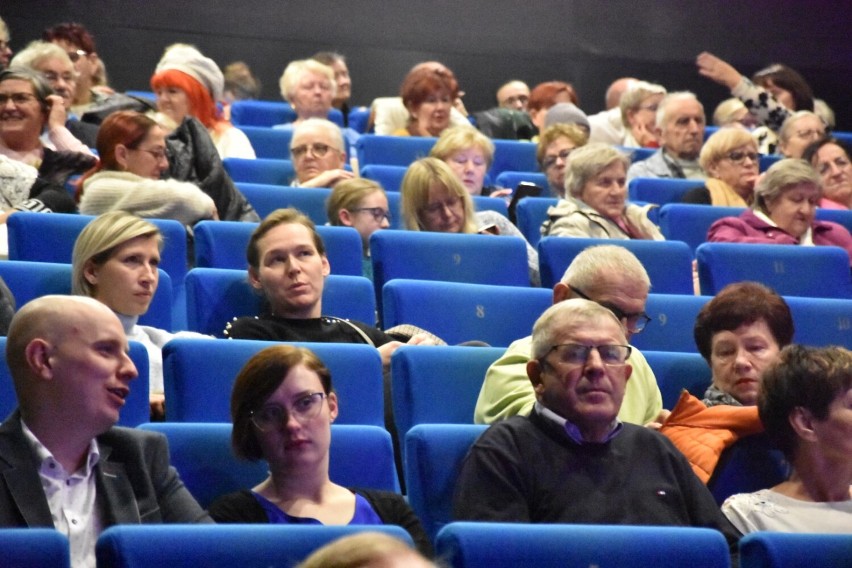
point(275, 416)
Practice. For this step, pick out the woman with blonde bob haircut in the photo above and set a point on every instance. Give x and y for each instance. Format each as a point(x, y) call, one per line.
point(469, 153)
point(730, 159)
point(115, 261)
point(433, 199)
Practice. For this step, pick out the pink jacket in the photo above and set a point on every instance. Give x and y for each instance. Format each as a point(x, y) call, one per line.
point(749, 228)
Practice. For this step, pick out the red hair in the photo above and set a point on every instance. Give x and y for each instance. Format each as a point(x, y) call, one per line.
point(543, 96)
point(424, 81)
point(125, 127)
point(201, 104)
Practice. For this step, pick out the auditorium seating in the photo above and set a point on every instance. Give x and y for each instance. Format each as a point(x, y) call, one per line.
point(392, 150)
point(261, 170)
point(672, 321)
point(266, 198)
point(661, 190)
point(749, 465)
point(677, 371)
point(270, 113)
point(512, 156)
point(34, 548)
point(794, 550)
point(508, 545)
point(840, 216)
point(531, 213)
point(689, 223)
point(271, 143)
point(200, 546)
point(668, 263)
point(511, 179)
point(199, 374)
point(822, 321)
point(204, 458)
point(389, 177)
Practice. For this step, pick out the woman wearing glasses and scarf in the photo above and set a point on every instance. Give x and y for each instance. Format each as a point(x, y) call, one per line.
point(730, 159)
point(132, 151)
point(282, 407)
point(361, 204)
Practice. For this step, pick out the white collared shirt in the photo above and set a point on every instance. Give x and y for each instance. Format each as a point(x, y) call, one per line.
point(72, 499)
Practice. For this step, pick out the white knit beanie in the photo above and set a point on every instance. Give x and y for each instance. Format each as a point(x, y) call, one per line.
point(188, 59)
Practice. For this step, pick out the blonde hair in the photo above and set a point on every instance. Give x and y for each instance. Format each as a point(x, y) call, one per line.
point(556, 131)
point(635, 94)
point(726, 112)
point(723, 141)
point(361, 550)
point(420, 177)
point(39, 51)
point(348, 195)
point(295, 69)
point(458, 138)
point(589, 161)
point(99, 239)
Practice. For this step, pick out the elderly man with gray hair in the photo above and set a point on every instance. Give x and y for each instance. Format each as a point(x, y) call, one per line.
point(680, 123)
point(572, 460)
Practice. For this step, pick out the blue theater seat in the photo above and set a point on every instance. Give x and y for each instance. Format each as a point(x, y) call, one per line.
point(672, 321)
point(677, 371)
point(531, 213)
point(661, 190)
point(266, 198)
point(794, 550)
point(392, 150)
point(272, 143)
point(513, 156)
point(689, 223)
point(34, 548)
point(270, 113)
point(389, 177)
point(510, 179)
point(261, 170)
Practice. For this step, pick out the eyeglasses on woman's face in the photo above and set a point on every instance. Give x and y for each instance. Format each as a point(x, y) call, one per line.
point(273, 416)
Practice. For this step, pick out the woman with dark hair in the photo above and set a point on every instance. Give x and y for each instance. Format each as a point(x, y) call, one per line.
point(832, 160)
point(132, 148)
point(189, 84)
point(342, 81)
point(805, 404)
point(428, 93)
point(282, 407)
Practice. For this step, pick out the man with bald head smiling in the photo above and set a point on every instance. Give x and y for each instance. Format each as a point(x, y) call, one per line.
point(63, 463)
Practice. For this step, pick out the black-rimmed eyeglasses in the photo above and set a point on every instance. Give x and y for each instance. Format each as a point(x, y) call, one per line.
point(634, 323)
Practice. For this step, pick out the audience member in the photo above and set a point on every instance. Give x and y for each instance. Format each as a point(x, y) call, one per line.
point(22, 190)
point(342, 81)
point(189, 84)
point(831, 159)
point(639, 106)
point(368, 549)
point(607, 126)
point(282, 407)
point(826, 113)
point(614, 278)
point(433, 199)
point(428, 93)
point(29, 108)
point(309, 87)
point(801, 129)
point(115, 261)
point(7, 307)
point(566, 113)
point(571, 460)
point(804, 404)
point(730, 159)
point(595, 203)
point(5, 48)
point(318, 154)
point(132, 151)
point(66, 466)
point(733, 112)
point(240, 83)
point(554, 149)
point(680, 123)
point(513, 95)
point(544, 96)
point(360, 203)
point(469, 153)
point(783, 212)
point(79, 44)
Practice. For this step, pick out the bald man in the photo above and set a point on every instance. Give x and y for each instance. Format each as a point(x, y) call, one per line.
point(606, 126)
point(514, 95)
point(63, 463)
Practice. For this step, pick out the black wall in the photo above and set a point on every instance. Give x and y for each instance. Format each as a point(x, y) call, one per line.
point(586, 42)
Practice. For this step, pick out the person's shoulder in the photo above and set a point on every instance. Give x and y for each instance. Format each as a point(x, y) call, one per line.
point(245, 327)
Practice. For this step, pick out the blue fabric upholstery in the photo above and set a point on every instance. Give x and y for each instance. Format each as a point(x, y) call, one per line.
point(689, 223)
point(270, 113)
point(513, 156)
point(668, 263)
point(511, 179)
point(392, 150)
point(677, 371)
point(661, 190)
point(389, 177)
point(749, 465)
point(819, 272)
point(272, 143)
point(794, 550)
point(821, 321)
point(266, 198)
point(672, 320)
point(260, 170)
point(34, 548)
point(202, 454)
point(199, 374)
point(531, 213)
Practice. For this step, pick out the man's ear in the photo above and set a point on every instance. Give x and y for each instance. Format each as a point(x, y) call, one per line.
point(561, 292)
point(37, 354)
point(802, 422)
point(534, 372)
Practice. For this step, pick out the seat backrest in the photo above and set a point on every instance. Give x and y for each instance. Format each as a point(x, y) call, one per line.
point(389, 177)
point(513, 156)
point(260, 170)
point(202, 454)
point(750, 464)
point(35, 548)
point(199, 374)
point(839, 216)
point(821, 321)
point(433, 459)
point(261, 113)
point(677, 371)
point(819, 272)
point(458, 312)
point(471, 545)
point(222, 244)
point(392, 150)
point(438, 385)
point(512, 179)
point(660, 190)
point(792, 550)
point(668, 263)
point(266, 198)
point(486, 203)
point(531, 213)
point(672, 321)
point(636, 154)
point(272, 143)
point(136, 409)
point(689, 223)
point(215, 296)
point(359, 117)
point(246, 546)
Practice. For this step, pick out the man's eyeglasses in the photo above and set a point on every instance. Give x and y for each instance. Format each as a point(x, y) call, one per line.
point(17, 99)
point(550, 161)
point(52, 77)
point(272, 417)
point(319, 150)
point(377, 212)
point(75, 56)
point(634, 323)
point(577, 354)
point(738, 157)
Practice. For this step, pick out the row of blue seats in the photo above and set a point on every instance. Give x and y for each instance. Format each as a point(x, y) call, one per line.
point(459, 545)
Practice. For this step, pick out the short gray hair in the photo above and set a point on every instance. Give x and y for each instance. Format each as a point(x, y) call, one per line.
point(36, 52)
point(331, 129)
point(587, 162)
point(570, 310)
point(635, 94)
point(781, 176)
point(663, 108)
point(593, 264)
point(786, 130)
point(295, 69)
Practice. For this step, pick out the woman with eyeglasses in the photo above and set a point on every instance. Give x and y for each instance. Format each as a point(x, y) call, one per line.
point(318, 154)
point(783, 212)
point(132, 151)
point(433, 199)
point(360, 203)
point(282, 408)
point(469, 153)
point(730, 160)
point(554, 149)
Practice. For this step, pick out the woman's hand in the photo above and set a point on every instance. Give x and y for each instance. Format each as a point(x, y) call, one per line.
point(718, 70)
point(328, 178)
point(658, 422)
point(645, 137)
point(57, 115)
